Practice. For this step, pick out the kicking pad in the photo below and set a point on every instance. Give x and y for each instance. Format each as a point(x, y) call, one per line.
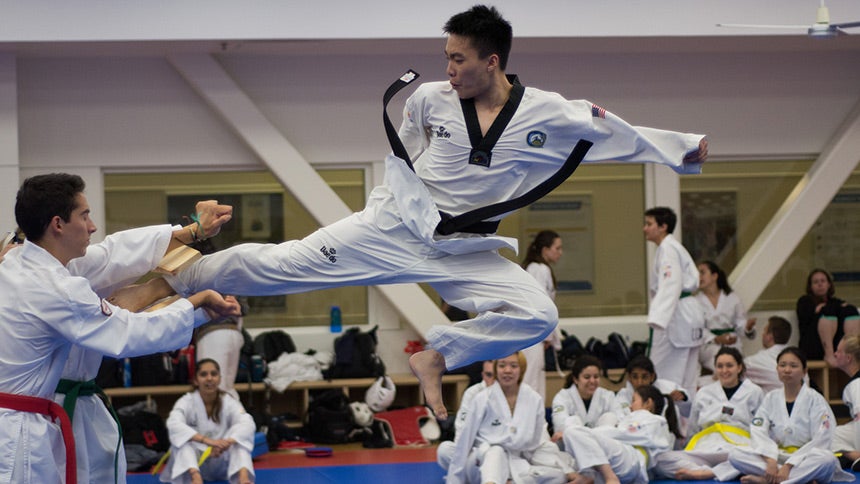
point(318, 452)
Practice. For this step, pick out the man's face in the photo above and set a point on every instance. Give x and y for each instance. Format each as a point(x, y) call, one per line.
point(77, 231)
point(468, 73)
point(653, 232)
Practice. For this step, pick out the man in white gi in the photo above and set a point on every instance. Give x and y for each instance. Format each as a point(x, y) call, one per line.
point(98, 443)
point(676, 320)
point(478, 139)
point(47, 310)
point(761, 367)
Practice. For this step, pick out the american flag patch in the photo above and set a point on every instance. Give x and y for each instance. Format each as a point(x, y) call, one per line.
point(597, 111)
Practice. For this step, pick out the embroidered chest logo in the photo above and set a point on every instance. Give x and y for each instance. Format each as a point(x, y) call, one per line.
point(330, 253)
point(441, 133)
point(496, 423)
point(536, 139)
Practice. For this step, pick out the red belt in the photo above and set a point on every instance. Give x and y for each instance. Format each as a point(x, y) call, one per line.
point(43, 406)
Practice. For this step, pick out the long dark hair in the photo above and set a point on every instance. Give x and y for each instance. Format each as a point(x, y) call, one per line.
point(722, 280)
point(650, 392)
point(215, 416)
point(830, 291)
point(534, 253)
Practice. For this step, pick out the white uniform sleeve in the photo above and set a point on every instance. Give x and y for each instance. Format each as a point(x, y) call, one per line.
point(241, 424)
point(616, 140)
point(122, 257)
point(669, 286)
point(822, 425)
point(413, 131)
point(177, 422)
point(92, 323)
point(760, 439)
point(466, 439)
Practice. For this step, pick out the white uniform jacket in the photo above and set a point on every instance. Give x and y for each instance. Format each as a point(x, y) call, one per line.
point(810, 426)
point(711, 406)
point(625, 395)
point(761, 368)
point(644, 430)
point(137, 251)
point(465, 400)
point(729, 314)
point(489, 422)
point(568, 408)
point(532, 147)
point(674, 274)
point(46, 310)
point(188, 418)
point(542, 273)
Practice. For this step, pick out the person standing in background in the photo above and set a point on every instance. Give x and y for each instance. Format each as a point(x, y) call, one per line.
point(676, 320)
point(544, 251)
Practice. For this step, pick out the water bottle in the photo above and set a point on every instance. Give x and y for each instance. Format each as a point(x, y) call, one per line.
point(335, 323)
point(126, 372)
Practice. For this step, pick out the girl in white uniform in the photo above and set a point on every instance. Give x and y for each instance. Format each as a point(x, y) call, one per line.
point(720, 419)
point(209, 421)
point(624, 453)
point(847, 437)
point(640, 372)
point(725, 316)
point(504, 435)
point(790, 433)
point(582, 402)
point(544, 251)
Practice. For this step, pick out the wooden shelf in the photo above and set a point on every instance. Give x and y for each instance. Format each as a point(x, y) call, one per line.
point(296, 397)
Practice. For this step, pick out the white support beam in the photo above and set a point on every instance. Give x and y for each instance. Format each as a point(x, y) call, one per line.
point(294, 172)
point(800, 210)
point(9, 158)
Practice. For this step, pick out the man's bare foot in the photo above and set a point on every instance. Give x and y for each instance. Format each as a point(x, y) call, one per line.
point(750, 479)
point(694, 475)
point(245, 476)
point(195, 476)
point(428, 366)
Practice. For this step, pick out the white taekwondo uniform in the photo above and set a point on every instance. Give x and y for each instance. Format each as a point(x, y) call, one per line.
point(46, 311)
point(535, 375)
point(716, 424)
point(568, 409)
point(801, 439)
point(496, 445)
point(445, 450)
point(728, 317)
point(629, 447)
point(676, 319)
point(847, 436)
point(393, 240)
point(761, 368)
point(188, 418)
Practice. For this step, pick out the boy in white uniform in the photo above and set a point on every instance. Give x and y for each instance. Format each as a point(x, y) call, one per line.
point(761, 367)
point(499, 144)
point(676, 320)
point(47, 310)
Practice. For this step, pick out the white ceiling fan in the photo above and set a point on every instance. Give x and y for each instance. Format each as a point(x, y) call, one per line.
point(822, 28)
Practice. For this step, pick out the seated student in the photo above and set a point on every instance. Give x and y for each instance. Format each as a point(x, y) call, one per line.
point(446, 449)
point(791, 432)
point(761, 367)
point(208, 419)
point(640, 371)
point(847, 437)
point(582, 402)
point(504, 434)
point(625, 452)
point(720, 419)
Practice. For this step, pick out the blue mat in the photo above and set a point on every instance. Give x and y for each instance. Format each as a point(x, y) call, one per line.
point(413, 473)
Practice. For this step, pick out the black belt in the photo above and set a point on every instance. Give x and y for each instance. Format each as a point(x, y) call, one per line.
point(474, 221)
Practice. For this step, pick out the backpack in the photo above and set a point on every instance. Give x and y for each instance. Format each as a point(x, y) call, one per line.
point(243, 373)
point(329, 419)
point(355, 356)
point(148, 429)
point(570, 350)
point(271, 344)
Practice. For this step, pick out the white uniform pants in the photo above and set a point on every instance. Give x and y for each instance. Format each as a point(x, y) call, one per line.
point(375, 247)
point(816, 465)
point(225, 347)
point(535, 376)
point(226, 466)
point(679, 365)
point(668, 463)
point(590, 450)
